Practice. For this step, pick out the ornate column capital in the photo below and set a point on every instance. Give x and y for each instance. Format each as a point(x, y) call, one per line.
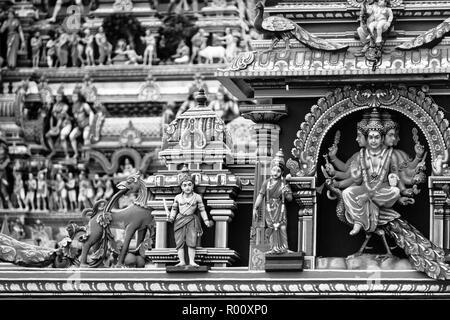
point(264, 113)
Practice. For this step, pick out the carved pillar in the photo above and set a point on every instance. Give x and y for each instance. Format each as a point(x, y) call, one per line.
point(267, 137)
point(222, 211)
point(439, 188)
point(305, 195)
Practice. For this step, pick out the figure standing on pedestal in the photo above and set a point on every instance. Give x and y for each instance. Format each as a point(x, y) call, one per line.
point(32, 186)
point(88, 40)
point(36, 45)
point(71, 191)
point(187, 225)
point(19, 189)
point(60, 124)
point(84, 118)
point(150, 49)
point(42, 191)
point(51, 52)
point(275, 191)
point(61, 192)
point(104, 47)
point(15, 38)
point(99, 187)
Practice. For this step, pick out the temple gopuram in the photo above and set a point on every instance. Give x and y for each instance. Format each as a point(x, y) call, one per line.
point(262, 149)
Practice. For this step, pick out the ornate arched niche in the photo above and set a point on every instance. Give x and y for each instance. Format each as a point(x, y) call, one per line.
point(413, 103)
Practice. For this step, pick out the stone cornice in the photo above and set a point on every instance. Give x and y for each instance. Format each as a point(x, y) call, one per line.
point(236, 282)
point(113, 73)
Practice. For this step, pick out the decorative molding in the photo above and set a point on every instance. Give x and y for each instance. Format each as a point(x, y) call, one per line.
point(302, 61)
point(157, 283)
point(411, 102)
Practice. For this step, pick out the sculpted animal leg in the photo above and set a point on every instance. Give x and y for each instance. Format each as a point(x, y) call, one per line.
point(93, 238)
point(141, 236)
point(129, 232)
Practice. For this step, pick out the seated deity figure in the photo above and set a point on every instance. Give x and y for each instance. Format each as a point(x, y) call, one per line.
point(376, 18)
point(275, 191)
point(184, 214)
point(368, 194)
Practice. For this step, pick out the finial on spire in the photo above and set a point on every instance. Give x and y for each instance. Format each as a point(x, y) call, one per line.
point(201, 98)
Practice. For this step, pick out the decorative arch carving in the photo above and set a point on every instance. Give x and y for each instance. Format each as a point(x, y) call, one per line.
point(412, 102)
point(111, 167)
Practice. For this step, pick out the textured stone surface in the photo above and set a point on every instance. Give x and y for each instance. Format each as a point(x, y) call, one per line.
point(364, 262)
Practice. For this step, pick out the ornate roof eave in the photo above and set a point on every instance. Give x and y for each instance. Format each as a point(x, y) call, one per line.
point(112, 73)
point(280, 72)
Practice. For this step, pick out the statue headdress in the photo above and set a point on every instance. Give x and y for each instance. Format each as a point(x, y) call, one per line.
point(185, 176)
point(388, 122)
point(77, 89)
point(278, 160)
point(60, 90)
point(374, 123)
point(361, 125)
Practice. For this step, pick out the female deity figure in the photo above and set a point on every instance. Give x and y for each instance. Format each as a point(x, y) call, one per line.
point(15, 37)
point(187, 225)
point(275, 191)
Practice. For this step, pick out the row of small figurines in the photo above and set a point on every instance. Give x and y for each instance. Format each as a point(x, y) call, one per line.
point(64, 192)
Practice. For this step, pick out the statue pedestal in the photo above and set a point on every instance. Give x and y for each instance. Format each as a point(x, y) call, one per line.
point(186, 269)
point(284, 262)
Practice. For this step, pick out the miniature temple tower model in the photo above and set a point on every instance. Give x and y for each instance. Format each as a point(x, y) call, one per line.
point(197, 140)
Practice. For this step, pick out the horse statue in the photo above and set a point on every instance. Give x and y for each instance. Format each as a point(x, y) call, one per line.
point(135, 217)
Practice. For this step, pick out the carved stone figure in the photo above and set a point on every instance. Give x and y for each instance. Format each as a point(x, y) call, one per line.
point(84, 118)
point(36, 45)
point(60, 124)
point(104, 47)
point(198, 42)
point(373, 182)
point(41, 191)
point(135, 217)
point(88, 40)
point(182, 54)
point(275, 191)
point(187, 225)
point(31, 191)
point(99, 187)
point(62, 48)
point(71, 191)
point(150, 47)
point(51, 52)
point(224, 106)
point(61, 192)
point(375, 20)
point(15, 38)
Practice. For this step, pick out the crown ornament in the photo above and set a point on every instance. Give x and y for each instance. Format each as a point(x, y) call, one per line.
point(278, 160)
